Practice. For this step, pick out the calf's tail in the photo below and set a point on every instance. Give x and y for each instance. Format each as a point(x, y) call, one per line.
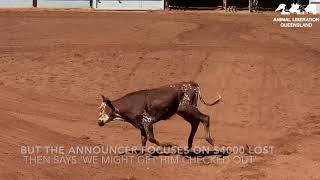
point(208, 104)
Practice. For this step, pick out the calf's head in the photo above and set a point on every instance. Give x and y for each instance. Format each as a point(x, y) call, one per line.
point(107, 111)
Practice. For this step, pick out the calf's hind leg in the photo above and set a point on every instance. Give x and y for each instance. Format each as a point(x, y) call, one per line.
point(194, 122)
point(143, 137)
point(194, 128)
point(194, 116)
point(205, 120)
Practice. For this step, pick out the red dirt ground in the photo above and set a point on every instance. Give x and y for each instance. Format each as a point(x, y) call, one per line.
point(55, 64)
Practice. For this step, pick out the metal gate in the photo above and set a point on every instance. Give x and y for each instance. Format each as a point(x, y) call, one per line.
point(129, 4)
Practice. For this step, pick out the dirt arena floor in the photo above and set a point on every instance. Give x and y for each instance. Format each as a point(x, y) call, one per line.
point(55, 64)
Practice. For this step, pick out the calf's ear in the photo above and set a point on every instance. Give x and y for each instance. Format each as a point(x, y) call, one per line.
point(108, 102)
point(104, 99)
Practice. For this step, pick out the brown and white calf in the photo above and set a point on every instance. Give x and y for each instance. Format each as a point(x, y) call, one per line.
point(145, 107)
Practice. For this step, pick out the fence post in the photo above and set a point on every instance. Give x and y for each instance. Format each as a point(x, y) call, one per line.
point(34, 3)
point(225, 4)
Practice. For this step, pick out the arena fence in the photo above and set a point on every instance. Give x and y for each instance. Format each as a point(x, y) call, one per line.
point(63, 3)
point(128, 4)
point(16, 3)
point(153, 4)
